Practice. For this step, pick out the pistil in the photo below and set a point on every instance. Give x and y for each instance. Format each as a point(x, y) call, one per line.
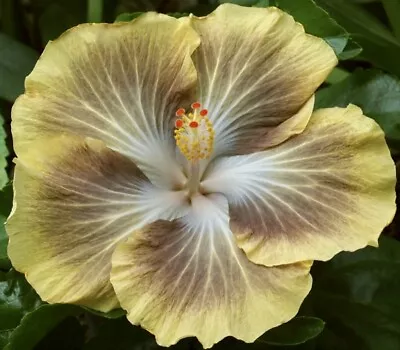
point(194, 178)
point(194, 137)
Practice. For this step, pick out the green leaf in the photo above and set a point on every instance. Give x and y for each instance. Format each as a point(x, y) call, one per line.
point(178, 14)
point(337, 75)
point(55, 17)
point(253, 3)
point(121, 335)
point(5, 208)
point(6, 197)
point(10, 17)
point(297, 331)
point(36, 325)
point(17, 299)
point(262, 3)
point(357, 294)
point(95, 11)
point(242, 2)
point(69, 334)
point(351, 50)
point(357, 18)
point(151, 5)
point(392, 8)
point(16, 62)
point(4, 261)
point(3, 154)
point(50, 28)
point(317, 22)
point(379, 45)
point(377, 93)
point(24, 318)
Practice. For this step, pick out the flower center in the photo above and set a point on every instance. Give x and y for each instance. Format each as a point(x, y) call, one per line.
point(194, 133)
point(194, 137)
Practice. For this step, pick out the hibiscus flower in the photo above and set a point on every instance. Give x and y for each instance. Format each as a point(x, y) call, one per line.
point(175, 168)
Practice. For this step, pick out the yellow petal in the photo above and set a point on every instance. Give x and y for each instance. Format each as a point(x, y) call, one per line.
point(119, 83)
point(188, 278)
point(329, 189)
point(256, 69)
point(74, 201)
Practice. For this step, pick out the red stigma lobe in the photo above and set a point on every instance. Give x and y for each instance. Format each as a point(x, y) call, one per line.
point(180, 112)
point(178, 123)
point(196, 105)
point(203, 112)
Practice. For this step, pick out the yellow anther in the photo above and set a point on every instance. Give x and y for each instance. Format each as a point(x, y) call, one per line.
point(194, 133)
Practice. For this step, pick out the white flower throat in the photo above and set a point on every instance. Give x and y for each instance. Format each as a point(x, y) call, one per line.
point(194, 135)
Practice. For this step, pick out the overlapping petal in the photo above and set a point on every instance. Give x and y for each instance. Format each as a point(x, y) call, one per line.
point(75, 199)
point(188, 278)
point(119, 83)
point(329, 189)
point(256, 69)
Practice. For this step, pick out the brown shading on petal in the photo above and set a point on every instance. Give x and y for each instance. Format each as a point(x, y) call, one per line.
point(329, 189)
point(188, 278)
point(119, 83)
point(74, 201)
point(256, 69)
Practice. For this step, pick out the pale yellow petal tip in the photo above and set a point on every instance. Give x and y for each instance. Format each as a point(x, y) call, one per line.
point(235, 7)
point(229, 9)
point(353, 108)
point(307, 264)
point(373, 243)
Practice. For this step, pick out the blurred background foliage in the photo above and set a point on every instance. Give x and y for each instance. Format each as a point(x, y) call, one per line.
point(354, 303)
